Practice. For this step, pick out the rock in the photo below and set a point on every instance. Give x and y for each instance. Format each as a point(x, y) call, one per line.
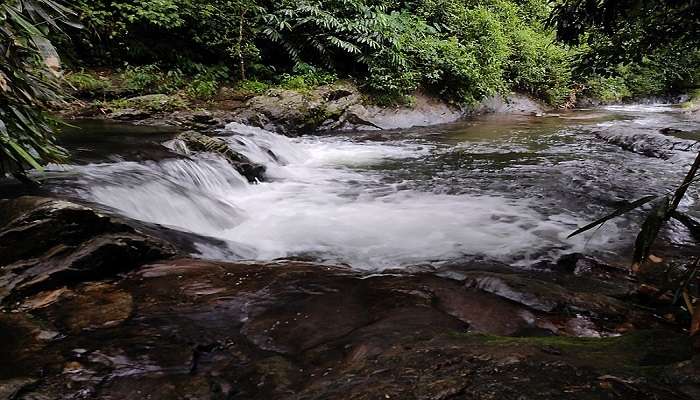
point(513, 103)
point(95, 306)
point(201, 143)
point(9, 389)
point(296, 330)
point(671, 131)
point(545, 296)
point(425, 111)
point(657, 145)
point(130, 114)
point(46, 244)
point(339, 107)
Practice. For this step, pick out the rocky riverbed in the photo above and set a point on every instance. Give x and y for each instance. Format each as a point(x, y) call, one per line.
point(408, 264)
point(108, 311)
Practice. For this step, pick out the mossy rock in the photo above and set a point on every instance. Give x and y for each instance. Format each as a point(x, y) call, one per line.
point(637, 352)
point(197, 142)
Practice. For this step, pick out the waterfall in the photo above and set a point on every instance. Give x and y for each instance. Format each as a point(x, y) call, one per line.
point(331, 198)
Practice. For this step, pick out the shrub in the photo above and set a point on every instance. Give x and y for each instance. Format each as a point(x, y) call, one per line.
point(252, 87)
point(153, 102)
point(607, 89)
point(539, 67)
point(306, 77)
point(87, 83)
point(207, 81)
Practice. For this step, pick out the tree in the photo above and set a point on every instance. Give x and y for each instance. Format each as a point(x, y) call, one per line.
point(29, 72)
point(622, 29)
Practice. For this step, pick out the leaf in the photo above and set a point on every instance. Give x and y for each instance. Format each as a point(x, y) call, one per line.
point(620, 211)
point(23, 153)
point(650, 230)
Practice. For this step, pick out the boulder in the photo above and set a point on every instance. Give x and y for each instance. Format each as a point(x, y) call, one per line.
point(197, 142)
point(47, 243)
point(340, 106)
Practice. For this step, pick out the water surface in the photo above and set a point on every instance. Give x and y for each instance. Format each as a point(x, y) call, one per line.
point(504, 188)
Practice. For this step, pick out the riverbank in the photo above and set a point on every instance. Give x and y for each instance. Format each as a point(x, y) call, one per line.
point(184, 328)
point(339, 106)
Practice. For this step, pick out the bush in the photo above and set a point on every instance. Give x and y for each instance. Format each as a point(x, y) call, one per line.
point(252, 87)
point(87, 83)
point(207, 81)
point(607, 89)
point(539, 67)
point(150, 79)
point(306, 77)
point(152, 102)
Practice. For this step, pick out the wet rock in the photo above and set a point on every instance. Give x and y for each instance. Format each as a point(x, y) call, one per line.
point(339, 107)
point(10, 389)
point(198, 142)
point(96, 306)
point(46, 244)
point(130, 114)
point(298, 330)
point(657, 145)
point(544, 296)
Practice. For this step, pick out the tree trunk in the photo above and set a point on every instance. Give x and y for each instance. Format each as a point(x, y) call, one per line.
point(241, 60)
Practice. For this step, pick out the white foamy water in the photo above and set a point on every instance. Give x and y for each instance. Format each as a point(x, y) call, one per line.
point(325, 198)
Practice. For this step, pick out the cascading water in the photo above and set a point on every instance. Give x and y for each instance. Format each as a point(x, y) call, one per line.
point(403, 201)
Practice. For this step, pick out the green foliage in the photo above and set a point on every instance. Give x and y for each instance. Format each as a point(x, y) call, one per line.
point(87, 83)
point(462, 50)
point(252, 87)
point(607, 89)
point(305, 77)
point(465, 53)
point(153, 102)
point(538, 67)
point(326, 32)
point(207, 81)
point(196, 80)
point(28, 83)
point(144, 32)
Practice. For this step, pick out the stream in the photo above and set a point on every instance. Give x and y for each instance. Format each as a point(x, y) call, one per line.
point(503, 188)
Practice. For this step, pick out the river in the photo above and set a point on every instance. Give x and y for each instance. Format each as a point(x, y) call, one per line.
point(502, 188)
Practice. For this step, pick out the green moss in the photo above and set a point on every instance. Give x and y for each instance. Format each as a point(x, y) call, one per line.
point(154, 103)
point(88, 83)
point(641, 350)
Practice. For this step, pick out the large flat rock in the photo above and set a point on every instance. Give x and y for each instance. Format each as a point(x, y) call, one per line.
point(192, 329)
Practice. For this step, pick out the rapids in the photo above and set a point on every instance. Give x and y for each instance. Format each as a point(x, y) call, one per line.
point(501, 188)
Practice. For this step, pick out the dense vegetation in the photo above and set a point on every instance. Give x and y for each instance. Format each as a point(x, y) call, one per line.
point(28, 83)
point(461, 50)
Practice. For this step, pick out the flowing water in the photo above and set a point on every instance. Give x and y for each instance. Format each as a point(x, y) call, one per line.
point(501, 188)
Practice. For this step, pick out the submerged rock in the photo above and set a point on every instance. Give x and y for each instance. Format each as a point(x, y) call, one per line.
point(659, 145)
point(198, 142)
